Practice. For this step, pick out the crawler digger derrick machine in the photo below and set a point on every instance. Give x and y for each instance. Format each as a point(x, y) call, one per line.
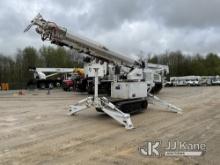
point(131, 79)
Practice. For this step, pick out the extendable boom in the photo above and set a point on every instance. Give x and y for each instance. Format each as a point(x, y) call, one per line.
point(59, 36)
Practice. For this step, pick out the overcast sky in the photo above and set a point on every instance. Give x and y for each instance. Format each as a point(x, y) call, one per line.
point(129, 26)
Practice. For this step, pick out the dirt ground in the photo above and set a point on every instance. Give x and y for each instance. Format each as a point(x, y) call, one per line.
point(35, 129)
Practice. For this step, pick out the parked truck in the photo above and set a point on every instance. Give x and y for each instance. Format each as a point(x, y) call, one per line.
point(49, 77)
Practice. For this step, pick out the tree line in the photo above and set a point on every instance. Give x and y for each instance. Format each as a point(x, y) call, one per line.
point(15, 69)
point(184, 65)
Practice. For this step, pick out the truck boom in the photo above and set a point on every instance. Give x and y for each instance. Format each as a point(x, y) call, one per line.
point(58, 35)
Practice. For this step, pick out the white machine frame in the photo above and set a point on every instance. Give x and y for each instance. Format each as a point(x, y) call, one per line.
point(127, 71)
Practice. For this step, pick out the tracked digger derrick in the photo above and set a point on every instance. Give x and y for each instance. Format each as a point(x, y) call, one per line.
point(132, 79)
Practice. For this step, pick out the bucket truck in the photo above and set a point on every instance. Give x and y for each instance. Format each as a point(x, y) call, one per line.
point(132, 79)
point(160, 71)
point(43, 76)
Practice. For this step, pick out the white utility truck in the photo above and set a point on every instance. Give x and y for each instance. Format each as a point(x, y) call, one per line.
point(43, 77)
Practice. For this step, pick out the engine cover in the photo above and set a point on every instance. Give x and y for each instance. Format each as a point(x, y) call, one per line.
point(128, 90)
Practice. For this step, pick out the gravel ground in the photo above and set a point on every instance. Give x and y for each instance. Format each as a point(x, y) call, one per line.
point(35, 129)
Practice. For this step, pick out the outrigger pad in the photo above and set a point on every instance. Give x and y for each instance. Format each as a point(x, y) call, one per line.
point(106, 106)
point(156, 100)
